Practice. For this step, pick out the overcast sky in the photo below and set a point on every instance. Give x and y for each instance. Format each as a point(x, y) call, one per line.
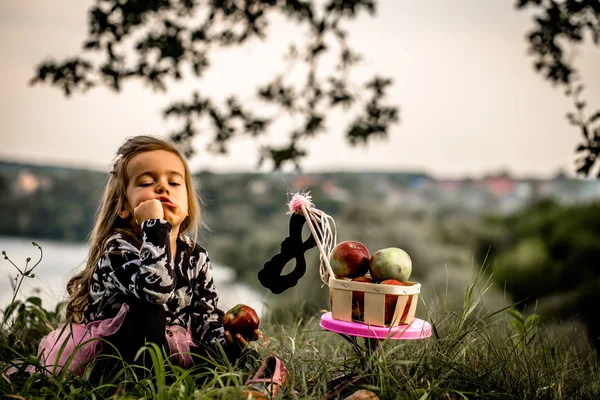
point(470, 102)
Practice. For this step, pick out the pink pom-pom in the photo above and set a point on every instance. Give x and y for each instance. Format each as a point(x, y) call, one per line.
point(299, 200)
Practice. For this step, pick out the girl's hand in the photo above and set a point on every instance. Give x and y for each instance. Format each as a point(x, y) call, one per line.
point(149, 209)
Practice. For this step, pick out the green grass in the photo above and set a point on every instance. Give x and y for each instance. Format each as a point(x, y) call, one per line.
point(473, 353)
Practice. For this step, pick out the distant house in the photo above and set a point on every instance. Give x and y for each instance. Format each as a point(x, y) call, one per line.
point(591, 190)
point(524, 189)
point(334, 192)
point(500, 185)
point(546, 189)
point(28, 183)
point(450, 185)
point(303, 182)
point(258, 187)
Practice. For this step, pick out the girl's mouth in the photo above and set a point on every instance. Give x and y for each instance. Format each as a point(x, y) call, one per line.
point(166, 201)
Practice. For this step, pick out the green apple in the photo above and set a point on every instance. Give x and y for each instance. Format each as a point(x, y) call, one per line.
point(390, 263)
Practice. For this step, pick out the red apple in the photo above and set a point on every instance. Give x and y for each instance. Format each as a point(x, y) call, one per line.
point(358, 299)
point(391, 300)
point(349, 259)
point(241, 319)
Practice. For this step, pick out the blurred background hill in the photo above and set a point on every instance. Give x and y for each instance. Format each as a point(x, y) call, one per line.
point(537, 237)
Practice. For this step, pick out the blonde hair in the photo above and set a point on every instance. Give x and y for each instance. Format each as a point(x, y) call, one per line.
point(108, 220)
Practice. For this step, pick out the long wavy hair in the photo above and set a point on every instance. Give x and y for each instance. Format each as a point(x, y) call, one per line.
point(109, 222)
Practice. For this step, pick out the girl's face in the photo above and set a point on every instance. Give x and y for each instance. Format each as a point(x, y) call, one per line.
point(158, 174)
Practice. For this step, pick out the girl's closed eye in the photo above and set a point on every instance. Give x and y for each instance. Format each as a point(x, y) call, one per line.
point(145, 184)
point(174, 183)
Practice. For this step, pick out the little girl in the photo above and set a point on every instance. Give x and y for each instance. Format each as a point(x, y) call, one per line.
point(145, 280)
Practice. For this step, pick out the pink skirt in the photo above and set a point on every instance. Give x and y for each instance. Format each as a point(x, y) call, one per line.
point(74, 346)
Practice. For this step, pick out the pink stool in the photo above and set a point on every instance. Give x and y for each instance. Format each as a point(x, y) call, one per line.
point(372, 335)
point(418, 329)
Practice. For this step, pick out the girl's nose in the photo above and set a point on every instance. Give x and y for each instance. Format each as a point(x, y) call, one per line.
point(162, 187)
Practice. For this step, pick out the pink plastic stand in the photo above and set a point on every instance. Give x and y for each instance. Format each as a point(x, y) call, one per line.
point(418, 329)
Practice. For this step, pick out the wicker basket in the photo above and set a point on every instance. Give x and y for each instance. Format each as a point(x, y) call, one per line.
point(322, 228)
point(374, 310)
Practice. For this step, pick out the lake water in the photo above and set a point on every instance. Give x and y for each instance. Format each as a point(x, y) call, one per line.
point(62, 259)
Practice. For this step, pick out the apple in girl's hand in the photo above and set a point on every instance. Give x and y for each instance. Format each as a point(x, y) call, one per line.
point(391, 300)
point(358, 298)
point(390, 263)
point(241, 319)
point(349, 259)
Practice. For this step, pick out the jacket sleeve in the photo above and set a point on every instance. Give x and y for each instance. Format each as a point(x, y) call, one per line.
point(146, 273)
point(206, 318)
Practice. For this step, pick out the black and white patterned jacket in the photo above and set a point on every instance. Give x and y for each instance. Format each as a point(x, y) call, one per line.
point(185, 285)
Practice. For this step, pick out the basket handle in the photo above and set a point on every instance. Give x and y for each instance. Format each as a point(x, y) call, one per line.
point(308, 215)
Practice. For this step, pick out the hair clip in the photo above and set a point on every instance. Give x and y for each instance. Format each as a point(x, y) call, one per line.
point(116, 161)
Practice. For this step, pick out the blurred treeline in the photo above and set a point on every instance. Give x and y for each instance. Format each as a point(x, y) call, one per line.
point(543, 254)
point(547, 256)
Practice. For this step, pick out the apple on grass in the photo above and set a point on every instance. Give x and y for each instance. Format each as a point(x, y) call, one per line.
point(241, 319)
point(391, 300)
point(349, 259)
